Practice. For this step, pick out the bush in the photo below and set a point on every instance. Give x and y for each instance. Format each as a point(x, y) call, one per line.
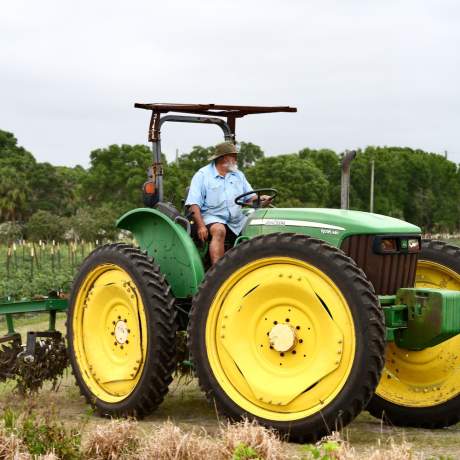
point(42, 435)
point(45, 226)
point(9, 232)
point(90, 224)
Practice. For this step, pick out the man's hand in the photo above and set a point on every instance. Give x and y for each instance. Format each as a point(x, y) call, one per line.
point(265, 200)
point(202, 232)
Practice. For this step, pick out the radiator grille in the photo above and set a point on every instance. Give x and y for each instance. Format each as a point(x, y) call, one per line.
point(387, 272)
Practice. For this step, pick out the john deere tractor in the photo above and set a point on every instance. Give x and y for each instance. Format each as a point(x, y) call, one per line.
point(312, 316)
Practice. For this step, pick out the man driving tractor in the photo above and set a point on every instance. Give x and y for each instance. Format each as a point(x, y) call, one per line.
point(212, 199)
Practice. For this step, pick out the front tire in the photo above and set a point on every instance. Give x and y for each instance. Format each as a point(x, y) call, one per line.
point(422, 388)
point(287, 330)
point(121, 331)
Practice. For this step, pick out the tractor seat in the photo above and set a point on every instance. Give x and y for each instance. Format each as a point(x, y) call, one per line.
point(168, 209)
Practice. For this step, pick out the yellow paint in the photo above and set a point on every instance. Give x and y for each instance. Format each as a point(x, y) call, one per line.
point(259, 379)
point(110, 333)
point(428, 377)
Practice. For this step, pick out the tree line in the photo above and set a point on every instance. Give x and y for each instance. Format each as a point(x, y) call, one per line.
point(43, 201)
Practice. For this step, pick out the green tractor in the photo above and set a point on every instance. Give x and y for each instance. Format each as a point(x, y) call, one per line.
point(311, 317)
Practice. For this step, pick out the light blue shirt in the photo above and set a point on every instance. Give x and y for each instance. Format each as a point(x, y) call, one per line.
point(215, 196)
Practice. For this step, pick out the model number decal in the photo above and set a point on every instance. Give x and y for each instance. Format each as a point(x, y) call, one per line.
point(324, 228)
point(328, 231)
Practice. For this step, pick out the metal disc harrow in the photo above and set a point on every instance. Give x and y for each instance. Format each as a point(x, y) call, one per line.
point(43, 356)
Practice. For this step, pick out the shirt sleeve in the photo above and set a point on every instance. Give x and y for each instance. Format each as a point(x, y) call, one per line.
point(196, 193)
point(247, 188)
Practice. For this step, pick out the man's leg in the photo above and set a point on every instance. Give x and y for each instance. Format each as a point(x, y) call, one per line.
point(216, 247)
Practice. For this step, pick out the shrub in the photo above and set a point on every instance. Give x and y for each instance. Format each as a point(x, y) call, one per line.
point(43, 435)
point(246, 437)
point(43, 225)
point(9, 232)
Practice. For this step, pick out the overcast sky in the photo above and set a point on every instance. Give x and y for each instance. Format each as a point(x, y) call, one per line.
point(360, 73)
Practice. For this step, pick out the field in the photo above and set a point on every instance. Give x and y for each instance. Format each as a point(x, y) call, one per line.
point(35, 269)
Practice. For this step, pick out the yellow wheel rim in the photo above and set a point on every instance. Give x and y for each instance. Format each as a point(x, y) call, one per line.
point(428, 377)
point(276, 350)
point(109, 333)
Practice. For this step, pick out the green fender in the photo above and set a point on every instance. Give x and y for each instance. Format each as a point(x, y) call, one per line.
point(170, 246)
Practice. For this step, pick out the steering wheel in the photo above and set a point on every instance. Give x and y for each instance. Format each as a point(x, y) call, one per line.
point(256, 203)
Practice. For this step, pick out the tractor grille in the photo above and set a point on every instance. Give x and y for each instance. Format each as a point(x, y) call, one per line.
point(386, 272)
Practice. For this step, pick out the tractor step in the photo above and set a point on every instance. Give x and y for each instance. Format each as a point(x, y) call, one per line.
point(418, 318)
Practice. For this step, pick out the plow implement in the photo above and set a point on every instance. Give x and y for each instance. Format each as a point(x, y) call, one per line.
point(40, 355)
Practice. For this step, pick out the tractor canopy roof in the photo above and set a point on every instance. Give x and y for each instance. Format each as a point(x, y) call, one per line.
point(219, 110)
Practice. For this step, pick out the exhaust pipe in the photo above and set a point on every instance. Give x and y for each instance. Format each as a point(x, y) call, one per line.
point(345, 181)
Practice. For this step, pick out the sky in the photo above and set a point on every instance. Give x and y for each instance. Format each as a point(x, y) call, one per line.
point(360, 72)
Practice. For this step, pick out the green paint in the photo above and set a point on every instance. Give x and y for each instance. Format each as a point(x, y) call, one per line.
point(33, 306)
point(433, 316)
point(50, 305)
point(169, 245)
point(9, 323)
point(348, 223)
point(417, 318)
point(52, 321)
point(395, 316)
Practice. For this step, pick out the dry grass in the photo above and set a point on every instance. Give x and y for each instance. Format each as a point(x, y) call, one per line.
point(125, 439)
point(11, 447)
point(265, 442)
point(117, 440)
point(334, 447)
point(120, 440)
point(394, 451)
point(169, 442)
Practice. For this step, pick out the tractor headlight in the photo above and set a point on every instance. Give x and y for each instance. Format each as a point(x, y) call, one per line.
point(413, 245)
point(388, 245)
point(396, 244)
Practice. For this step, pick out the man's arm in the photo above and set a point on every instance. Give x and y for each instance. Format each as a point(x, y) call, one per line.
point(201, 227)
point(195, 200)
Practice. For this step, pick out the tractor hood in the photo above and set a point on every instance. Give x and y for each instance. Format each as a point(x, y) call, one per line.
point(332, 225)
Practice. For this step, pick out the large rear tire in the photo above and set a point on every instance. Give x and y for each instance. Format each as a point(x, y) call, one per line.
point(422, 388)
point(287, 330)
point(121, 331)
